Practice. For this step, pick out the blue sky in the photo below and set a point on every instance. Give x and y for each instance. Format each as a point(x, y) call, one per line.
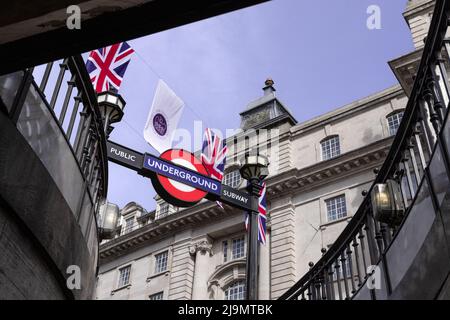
point(320, 54)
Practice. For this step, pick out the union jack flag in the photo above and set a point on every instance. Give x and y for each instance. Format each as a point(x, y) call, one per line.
point(214, 154)
point(262, 217)
point(106, 66)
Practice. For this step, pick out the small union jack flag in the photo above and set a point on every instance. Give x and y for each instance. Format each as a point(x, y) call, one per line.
point(262, 217)
point(107, 66)
point(214, 154)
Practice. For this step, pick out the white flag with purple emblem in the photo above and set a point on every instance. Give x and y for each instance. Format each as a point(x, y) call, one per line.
point(163, 118)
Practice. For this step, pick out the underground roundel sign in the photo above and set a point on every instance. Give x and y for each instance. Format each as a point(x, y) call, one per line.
point(174, 167)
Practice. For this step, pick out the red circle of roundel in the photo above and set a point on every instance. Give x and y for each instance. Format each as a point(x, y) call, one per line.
point(193, 196)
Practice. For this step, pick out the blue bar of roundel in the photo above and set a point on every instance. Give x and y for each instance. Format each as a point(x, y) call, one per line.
point(182, 174)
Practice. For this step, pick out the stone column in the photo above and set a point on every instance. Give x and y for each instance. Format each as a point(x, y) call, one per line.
point(201, 251)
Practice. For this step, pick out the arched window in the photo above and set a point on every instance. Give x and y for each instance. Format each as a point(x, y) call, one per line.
point(394, 120)
point(330, 147)
point(236, 291)
point(232, 179)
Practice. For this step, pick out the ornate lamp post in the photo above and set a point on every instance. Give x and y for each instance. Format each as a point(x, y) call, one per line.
point(111, 105)
point(254, 168)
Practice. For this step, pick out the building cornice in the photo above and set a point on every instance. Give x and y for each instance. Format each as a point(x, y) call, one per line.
point(405, 69)
point(348, 110)
point(161, 228)
point(324, 172)
point(417, 8)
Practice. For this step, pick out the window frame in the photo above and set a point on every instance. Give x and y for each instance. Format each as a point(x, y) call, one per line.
point(393, 114)
point(227, 253)
point(348, 273)
point(235, 172)
point(119, 277)
point(156, 270)
point(244, 249)
point(166, 211)
point(127, 229)
point(156, 295)
point(336, 214)
point(235, 285)
point(225, 249)
point(328, 139)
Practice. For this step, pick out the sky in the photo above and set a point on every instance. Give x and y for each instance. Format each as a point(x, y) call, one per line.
point(320, 54)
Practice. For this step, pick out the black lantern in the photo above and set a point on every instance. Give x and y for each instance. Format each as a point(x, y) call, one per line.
point(254, 168)
point(109, 216)
point(111, 105)
point(387, 203)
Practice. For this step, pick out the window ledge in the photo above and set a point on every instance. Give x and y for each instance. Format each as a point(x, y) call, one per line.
point(166, 273)
point(323, 226)
point(128, 286)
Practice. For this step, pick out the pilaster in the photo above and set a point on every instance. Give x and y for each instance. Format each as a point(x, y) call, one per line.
point(201, 250)
point(182, 272)
point(282, 242)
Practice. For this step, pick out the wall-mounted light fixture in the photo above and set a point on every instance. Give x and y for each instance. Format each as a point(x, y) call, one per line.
point(387, 203)
point(111, 105)
point(109, 215)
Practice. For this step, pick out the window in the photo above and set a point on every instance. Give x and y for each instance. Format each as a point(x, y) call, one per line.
point(124, 276)
point(233, 249)
point(161, 262)
point(238, 248)
point(232, 179)
point(330, 148)
point(156, 296)
point(336, 208)
point(225, 251)
point(394, 121)
point(236, 291)
point(128, 225)
point(163, 210)
point(338, 266)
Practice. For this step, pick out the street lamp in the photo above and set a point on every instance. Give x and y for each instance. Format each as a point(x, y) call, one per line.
point(254, 168)
point(387, 203)
point(111, 105)
point(108, 216)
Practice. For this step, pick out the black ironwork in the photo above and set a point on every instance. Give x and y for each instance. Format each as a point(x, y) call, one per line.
point(407, 162)
point(86, 131)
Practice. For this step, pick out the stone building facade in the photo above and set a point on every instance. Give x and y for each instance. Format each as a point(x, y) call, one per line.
point(318, 171)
